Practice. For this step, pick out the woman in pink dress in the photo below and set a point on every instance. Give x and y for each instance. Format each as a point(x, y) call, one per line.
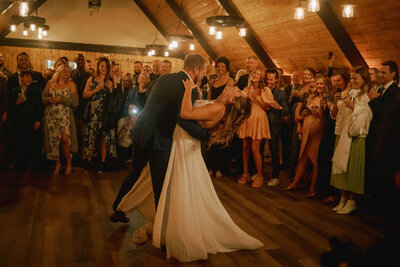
point(256, 127)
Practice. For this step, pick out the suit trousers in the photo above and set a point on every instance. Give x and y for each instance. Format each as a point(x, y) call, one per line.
point(274, 147)
point(158, 166)
point(27, 148)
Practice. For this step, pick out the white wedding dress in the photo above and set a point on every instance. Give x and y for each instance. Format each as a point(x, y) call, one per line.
point(190, 220)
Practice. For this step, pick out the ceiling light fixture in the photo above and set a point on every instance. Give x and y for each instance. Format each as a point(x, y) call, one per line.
point(313, 5)
point(348, 10)
point(299, 12)
point(23, 8)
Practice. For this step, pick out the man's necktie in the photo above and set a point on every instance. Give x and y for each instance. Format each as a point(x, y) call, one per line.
point(380, 90)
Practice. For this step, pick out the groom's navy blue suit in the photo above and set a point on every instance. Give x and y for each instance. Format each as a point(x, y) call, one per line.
point(152, 133)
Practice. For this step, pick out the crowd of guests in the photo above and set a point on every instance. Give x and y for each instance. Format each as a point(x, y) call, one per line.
point(323, 127)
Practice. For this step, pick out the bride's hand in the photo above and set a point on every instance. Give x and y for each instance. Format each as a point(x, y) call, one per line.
point(189, 85)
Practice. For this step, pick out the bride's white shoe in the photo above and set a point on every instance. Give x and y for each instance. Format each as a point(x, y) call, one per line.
point(142, 234)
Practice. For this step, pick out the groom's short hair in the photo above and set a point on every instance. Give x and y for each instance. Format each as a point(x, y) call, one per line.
point(194, 60)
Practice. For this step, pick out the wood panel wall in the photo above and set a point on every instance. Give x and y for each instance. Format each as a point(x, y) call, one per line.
point(38, 57)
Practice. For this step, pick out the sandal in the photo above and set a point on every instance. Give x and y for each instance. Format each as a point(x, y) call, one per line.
point(311, 194)
point(330, 199)
point(244, 178)
point(291, 188)
point(258, 182)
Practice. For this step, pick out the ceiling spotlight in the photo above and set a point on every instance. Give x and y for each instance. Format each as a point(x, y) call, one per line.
point(313, 6)
point(218, 35)
point(211, 30)
point(166, 53)
point(32, 27)
point(25, 32)
point(191, 47)
point(23, 9)
point(13, 28)
point(348, 10)
point(242, 32)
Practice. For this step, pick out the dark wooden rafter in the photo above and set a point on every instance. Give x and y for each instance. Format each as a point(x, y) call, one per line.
point(158, 26)
point(72, 46)
point(340, 35)
point(251, 37)
point(32, 8)
point(197, 34)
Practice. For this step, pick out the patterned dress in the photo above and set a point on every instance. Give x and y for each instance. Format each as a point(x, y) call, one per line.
point(94, 128)
point(58, 120)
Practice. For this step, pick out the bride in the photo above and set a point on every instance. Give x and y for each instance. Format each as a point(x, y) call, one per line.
point(190, 220)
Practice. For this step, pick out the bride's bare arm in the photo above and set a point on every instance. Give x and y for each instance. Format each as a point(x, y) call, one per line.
point(204, 113)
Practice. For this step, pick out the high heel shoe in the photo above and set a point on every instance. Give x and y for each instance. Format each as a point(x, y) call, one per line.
point(291, 188)
point(244, 178)
point(101, 169)
point(68, 170)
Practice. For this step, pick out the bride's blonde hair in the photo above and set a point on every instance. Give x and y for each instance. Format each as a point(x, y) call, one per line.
point(235, 114)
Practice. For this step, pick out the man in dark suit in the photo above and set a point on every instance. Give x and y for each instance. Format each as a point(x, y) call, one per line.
point(24, 64)
point(380, 102)
point(251, 65)
point(275, 115)
point(152, 133)
point(80, 76)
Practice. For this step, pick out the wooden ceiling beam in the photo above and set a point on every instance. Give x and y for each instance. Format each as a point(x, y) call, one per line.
point(159, 27)
point(191, 27)
point(32, 9)
point(339, 33)
point(4, 5)
point(251, 37)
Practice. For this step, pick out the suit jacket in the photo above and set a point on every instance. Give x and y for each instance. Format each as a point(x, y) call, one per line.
point(275, 115)
point(80, 78)
point(379, 107)
point(155, 124)
point(38, 81)
point(243, 81)
point(3, 96)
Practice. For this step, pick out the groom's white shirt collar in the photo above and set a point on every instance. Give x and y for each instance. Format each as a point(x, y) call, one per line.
point(188, 75)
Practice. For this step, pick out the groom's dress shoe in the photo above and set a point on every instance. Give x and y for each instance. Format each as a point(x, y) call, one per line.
point(118, 217)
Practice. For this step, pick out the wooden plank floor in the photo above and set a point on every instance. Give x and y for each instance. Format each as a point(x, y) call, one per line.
point(62, 220)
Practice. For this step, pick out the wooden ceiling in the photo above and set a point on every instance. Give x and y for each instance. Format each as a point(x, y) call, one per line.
point(291, 44)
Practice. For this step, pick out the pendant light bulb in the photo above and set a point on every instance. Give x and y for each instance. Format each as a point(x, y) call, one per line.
point(13, 28)
point(191, 47)
point(218, 35)
point(211, 30)
point(313, 6)
point(299, 12)
point(348, 10)
point(23, 9)
point(242, 32)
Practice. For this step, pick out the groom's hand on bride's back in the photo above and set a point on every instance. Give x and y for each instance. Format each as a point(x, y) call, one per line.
point(194, 129)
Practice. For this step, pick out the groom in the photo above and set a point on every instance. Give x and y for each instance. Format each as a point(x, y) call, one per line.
point(152, 133)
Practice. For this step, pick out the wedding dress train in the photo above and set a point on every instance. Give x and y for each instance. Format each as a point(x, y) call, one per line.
point(190, 220)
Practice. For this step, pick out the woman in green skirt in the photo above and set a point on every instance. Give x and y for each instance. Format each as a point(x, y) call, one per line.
point(353, 116)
